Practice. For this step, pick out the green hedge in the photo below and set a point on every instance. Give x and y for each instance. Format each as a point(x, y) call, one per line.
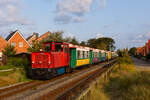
point(17, 62)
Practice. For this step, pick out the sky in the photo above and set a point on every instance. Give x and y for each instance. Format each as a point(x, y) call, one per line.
point(126, 21)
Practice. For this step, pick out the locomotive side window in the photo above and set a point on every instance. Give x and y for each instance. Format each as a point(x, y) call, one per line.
point(58, 48)
point(66, 49)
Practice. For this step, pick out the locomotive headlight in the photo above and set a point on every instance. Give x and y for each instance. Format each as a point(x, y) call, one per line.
point(49, 63)
point(40, 62)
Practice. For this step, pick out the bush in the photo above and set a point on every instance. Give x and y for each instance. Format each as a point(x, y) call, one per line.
point(124, 60)
point(17, 62)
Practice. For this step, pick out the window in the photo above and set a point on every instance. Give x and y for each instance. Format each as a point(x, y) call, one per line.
point(47, 47)
point(58, 48)
point(78, 54)
point(20, 44)
point(66, 49)
point(87, 54)
point(13, 44)
point(83, 54)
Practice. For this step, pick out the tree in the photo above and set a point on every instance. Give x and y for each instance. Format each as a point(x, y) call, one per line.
point(54, 37)
point(92, 43)
point(9, 51)
point(104, 43)
point(74, 41)
point(132, 51)
point(83, 43)
point(36, 46)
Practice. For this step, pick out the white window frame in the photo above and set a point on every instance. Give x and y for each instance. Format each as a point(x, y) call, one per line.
point(13, 44)
point(20, 44)
point(1, 55)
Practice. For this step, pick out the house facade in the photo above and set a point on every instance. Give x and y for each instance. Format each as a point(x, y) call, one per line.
point(17, 40)
point(3, 44)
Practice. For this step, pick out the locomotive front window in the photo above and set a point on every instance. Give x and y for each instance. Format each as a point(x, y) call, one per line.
point(47, 47)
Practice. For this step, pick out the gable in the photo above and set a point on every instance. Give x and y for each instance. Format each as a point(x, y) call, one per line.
point(43, 36)
point(17, 35)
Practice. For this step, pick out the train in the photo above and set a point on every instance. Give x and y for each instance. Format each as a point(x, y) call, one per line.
point(58, 58)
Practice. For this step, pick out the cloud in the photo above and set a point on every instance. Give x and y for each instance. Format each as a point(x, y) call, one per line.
point(74, 10)
point(141, 37)
point(99, 35)
point(144, 36)
point(10, 13)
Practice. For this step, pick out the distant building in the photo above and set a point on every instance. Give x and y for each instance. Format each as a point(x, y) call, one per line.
point(44, 36)
point(35, 37)
point(17, 40)
point(32, 38)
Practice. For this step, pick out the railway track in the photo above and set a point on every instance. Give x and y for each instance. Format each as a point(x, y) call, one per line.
point(69, 90)
point(54, 88)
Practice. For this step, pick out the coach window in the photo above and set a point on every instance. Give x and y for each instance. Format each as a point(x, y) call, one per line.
point(82, 54)
point(85, 55)
point(78, 54)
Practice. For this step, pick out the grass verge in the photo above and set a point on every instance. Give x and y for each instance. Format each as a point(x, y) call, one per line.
point(124, 83)
point(12, 77)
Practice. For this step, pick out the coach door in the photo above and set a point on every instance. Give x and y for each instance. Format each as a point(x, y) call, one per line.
point(66, 55)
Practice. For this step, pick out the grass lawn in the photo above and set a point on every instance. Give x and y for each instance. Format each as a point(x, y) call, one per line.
point(9, 67)
point(12, 77)
point(124, 83)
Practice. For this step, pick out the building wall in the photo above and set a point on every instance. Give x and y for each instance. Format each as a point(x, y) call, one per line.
point(3, 43)
point(17, 40)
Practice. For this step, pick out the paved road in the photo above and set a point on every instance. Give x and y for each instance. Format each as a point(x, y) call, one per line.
point(141, 64)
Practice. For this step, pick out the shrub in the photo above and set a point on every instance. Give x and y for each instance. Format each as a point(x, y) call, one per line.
point(17, 62)
point(9, 51)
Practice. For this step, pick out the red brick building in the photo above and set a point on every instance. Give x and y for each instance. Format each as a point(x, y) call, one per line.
point(32, 38)
point(44, 36)
point(17, 40)
point(3, 43)
point(35, 37)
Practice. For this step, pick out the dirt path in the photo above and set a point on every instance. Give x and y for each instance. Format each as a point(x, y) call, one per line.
point(141, 64)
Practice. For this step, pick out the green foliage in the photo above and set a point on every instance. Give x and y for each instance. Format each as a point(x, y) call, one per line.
point(122, 84)
point(54, 37)
point(36, 46)
point(17, 62)
point(9, 51)
point(104, 43)
point(123, 57)
point(83, 43)
point(128, 86)
point(132, 51)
